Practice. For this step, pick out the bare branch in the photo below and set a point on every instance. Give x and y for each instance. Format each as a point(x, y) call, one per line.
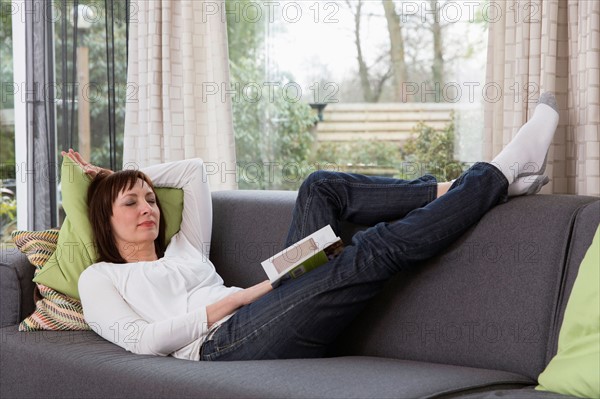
point(352, 9)
point(379, 87)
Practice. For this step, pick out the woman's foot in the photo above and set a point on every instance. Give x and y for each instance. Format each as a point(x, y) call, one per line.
point(526, 154)
point(527, 185)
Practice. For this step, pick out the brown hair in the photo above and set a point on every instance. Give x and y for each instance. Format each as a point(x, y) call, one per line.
point(102, 193)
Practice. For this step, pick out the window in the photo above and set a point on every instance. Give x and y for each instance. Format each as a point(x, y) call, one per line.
point(86, 86)
point(378, 87)
point(89, 56)
point(8, 204)
point(90, 114)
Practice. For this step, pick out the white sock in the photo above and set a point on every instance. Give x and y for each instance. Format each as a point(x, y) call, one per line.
point(527, 185)
point(526, 154)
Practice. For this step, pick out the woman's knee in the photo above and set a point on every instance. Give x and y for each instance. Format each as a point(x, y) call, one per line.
point(318, 183)
point(318, 177)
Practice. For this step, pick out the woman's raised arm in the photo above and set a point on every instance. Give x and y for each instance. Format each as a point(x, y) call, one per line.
point(190, 176)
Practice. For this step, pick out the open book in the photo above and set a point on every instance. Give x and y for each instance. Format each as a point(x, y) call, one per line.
point(303, 256)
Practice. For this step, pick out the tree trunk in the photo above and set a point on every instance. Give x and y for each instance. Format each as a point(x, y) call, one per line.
point(396, 49)
point(437, 68)
point(363, 70)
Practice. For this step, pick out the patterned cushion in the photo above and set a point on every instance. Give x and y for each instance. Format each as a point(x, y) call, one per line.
point(54, 311)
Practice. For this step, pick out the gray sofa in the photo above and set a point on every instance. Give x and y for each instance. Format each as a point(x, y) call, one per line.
point(479, 321)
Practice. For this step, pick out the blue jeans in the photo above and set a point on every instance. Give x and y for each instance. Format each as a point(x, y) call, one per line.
point(303, 316)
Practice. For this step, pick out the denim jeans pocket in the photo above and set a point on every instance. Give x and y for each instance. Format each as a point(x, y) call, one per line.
point(208, 341)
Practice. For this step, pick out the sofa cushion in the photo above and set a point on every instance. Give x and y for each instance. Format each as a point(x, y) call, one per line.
point(53, 310)
point(81, 364)
point(575, 369)
point(586, 223)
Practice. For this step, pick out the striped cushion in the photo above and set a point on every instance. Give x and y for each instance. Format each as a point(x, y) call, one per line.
point(53, 310)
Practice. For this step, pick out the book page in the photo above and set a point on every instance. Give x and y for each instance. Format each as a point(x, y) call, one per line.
point(293, 254)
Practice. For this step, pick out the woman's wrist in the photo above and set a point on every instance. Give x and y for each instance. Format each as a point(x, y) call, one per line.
point(256, 292)
point(231, 303)
point(87, 167)
point(222, 308)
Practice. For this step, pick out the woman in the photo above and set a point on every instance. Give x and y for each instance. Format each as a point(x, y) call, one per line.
point(174, 303)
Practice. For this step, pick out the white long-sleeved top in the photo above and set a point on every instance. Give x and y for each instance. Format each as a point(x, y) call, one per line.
point(159, 307)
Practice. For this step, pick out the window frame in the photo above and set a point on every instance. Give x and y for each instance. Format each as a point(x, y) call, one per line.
point(20, 112)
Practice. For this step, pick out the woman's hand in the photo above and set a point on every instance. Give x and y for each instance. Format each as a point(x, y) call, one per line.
point(253, 293)
point(88, 168)
point(231, 303)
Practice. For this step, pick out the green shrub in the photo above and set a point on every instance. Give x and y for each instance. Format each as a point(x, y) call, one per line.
point(364, 156)
point(430, 151)
point(8, 215)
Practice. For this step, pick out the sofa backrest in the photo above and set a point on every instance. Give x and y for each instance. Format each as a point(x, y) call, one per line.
point(494, 299)
point(248, 227)
point(16, 287)
point(585, 226)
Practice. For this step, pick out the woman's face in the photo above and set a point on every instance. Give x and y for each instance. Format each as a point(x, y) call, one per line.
point(135, 215)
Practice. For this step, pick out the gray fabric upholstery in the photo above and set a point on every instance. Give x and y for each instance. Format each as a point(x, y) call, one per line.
point(585, 226)
point(248, 227)
point(479, 321)
point(79, 364)
point(16, 287)
point(489, 301)
point(10, 295)
point(525, 393)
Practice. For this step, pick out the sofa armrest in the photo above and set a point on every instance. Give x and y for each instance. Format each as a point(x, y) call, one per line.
point(16, 287)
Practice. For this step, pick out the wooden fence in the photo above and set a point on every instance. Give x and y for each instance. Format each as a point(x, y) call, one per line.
point(388, 122)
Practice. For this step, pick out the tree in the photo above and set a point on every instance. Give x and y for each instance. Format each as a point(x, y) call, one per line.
point(437, 67)
point(271, 130)
point(371, 86)
point(421, 46)
point(446, 48)
point(397, 56)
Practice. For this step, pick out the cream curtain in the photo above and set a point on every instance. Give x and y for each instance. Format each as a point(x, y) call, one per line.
point(547, 45)
point(178, 68)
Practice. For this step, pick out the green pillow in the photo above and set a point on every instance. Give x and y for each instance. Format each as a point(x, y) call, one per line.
point(75, 250)
point(575, 370)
